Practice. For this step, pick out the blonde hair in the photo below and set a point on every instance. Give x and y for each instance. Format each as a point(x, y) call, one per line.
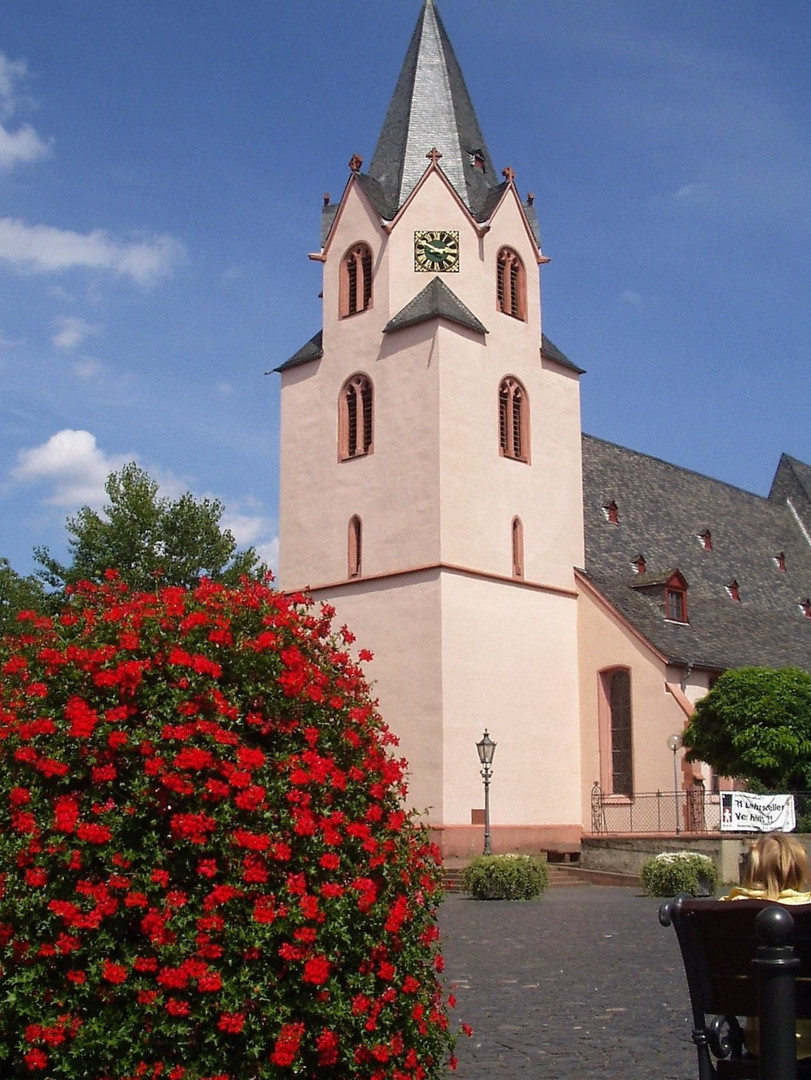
point(777, 862)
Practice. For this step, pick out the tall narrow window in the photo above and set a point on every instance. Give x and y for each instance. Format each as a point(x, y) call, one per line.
point(619, 698)
point(513, 420)
point(355, 293)
point(355, 417)
point(511, 284)
point(518, 547)
point(354, 547)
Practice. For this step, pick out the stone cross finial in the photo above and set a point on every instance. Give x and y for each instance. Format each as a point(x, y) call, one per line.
point(433, 155)
point(508, 174)
point(355, 163)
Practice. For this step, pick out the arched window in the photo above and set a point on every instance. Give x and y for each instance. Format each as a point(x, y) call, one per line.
point(355, 417)
point(513, 420)
point(616, 733)
point(355, 293)
point(511, 288)
point(354, 546)
point(518, 547)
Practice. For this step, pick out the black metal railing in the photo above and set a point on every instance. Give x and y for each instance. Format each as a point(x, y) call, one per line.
point(692, 811)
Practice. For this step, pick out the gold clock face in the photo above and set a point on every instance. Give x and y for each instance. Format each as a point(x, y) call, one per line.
point(436, 251)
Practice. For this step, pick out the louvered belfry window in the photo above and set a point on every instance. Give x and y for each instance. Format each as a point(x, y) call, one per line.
point(356, 280)
point(356, 417)
point(513, 420)
point(511, 289)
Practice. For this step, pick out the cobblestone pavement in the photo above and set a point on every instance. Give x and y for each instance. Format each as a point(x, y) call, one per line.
point(583, 983)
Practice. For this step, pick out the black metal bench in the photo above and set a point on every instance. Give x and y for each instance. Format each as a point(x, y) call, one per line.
point(744, 958)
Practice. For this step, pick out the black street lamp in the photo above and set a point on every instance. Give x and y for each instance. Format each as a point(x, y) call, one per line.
point(486, 748)
point(674, 743)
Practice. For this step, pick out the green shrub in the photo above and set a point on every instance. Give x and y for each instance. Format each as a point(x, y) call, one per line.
point(673, 872)
point(505, 877)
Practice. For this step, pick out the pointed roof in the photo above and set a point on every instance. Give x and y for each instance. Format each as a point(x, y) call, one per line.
point(434, 302)
point(431, 108)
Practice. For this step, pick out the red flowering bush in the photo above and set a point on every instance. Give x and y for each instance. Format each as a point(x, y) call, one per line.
point(205, 864)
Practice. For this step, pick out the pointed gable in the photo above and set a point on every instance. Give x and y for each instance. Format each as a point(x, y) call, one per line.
point(435, 301)
point(431, 108)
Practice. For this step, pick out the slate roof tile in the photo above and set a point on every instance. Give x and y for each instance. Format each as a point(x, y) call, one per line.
point(662, 511)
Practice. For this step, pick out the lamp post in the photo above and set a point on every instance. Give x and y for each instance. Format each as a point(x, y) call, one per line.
point(486, 748)
point(674, 743)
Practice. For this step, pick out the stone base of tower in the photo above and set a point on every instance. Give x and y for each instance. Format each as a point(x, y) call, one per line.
point(467, 841)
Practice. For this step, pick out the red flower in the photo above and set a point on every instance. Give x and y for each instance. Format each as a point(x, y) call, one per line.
point(232, 1023)
point(316, 970)
point(327, 1046)
point(114, 973)
point(287, 1044)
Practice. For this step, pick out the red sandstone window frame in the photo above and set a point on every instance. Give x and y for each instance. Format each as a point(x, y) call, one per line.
point(511, 284)
point(356, 417)
point(355, 293)
point(616, 732)
point(354, 547)
point(517, 540)
point(513, 420)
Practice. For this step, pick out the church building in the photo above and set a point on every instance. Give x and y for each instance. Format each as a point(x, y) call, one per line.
point(510, 573)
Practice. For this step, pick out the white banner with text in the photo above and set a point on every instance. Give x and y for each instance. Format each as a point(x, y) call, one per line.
point(744, 812)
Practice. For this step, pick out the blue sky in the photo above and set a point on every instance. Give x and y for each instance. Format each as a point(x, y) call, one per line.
point(162, 167)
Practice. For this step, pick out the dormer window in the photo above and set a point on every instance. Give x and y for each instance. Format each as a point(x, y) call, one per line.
point(511, 291)
point(668, 590)
point(734, 591)
point(805, 607)
point(705, 539)
point(639, 565)
point(676, 600)
point(355, 291)
point(780, 561)
point(611, 513)
point(477, 159)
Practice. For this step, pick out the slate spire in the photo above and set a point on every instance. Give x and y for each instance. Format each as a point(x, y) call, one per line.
point(431, 108)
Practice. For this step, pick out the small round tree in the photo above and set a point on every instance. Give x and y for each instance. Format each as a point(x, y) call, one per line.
point(755, 724)
point(207, 870)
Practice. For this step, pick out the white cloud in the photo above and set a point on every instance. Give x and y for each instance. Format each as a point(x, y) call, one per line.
point(23, 145)
point(72, 465)
point(72, 331)
point(692, 193)
point(88, 368)
point(254, 530)
point(44, 249)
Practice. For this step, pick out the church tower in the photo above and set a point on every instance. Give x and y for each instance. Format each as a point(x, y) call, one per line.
point(430, 466)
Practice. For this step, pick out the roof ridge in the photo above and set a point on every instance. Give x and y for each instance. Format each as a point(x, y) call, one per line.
point(679, 468)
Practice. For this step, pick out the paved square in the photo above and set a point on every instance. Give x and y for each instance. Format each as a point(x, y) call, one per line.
point(582, 983)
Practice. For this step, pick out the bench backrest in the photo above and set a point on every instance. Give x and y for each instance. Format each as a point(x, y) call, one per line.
point(719, 942)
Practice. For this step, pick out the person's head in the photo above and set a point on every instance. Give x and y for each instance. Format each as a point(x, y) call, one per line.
point(777, 861)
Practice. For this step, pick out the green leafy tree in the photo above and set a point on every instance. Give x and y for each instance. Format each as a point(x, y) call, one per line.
point(18, 594)
point(756, 724)
point(148, 538)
